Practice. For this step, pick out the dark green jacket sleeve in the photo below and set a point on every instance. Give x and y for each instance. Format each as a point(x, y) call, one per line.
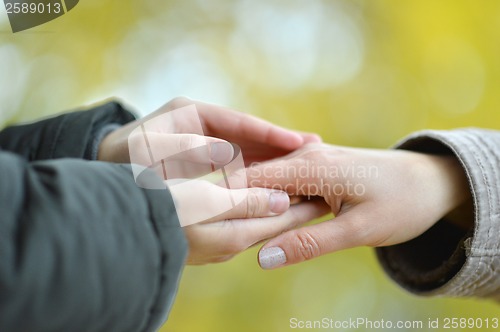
point(69, 135)
point(82, 247)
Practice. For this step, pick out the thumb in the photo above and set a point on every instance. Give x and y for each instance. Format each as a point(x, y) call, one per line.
point(190, 147)
point(256, 203)
point(214, 203)
point(309, 242)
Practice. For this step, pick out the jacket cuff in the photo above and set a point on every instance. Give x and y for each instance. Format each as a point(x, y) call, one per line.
point(90, 124)
point(447, 260)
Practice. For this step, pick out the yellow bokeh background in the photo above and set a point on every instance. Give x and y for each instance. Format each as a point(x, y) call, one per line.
point(361, 73)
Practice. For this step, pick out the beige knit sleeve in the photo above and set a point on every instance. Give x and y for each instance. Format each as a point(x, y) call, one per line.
point(445, 260)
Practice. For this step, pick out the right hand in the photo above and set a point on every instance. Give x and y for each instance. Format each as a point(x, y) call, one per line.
point(378, 197)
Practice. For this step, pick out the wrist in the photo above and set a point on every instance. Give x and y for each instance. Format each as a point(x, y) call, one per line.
point(457, 200)
point(103, 143)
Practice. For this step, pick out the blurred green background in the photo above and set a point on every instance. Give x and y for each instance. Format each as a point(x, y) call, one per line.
point(362, 73)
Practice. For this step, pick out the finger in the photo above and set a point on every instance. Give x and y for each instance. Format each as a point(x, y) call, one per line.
point(147, 148)
point(309, 242)
point(234, 126)
point(240, 234)
point(310, 137)
point(265, 228)
point(257, 153)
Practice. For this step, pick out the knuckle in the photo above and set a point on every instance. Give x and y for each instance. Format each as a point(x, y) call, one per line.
point(252, 204)
point(232, 248)
point(380, 241)
point(178, 102)
point(353, 228)
point(306, 245)
point(186, 143)
point(236, 241)
point(360, 231)
point(375, 236)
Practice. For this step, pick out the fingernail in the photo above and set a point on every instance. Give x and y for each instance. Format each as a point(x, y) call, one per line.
point(316, 138)
point(271, 257)
point(279, 202)
point(221, 153)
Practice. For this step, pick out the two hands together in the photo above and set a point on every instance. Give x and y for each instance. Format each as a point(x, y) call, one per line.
point(377, 197)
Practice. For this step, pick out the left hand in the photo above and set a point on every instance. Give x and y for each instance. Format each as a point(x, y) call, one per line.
point(259, 140)
point(217, 231)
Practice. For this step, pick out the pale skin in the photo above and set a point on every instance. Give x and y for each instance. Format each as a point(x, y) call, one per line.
point(400, 195)
point(409, 194)
point(258, 139)
point(227, 234)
